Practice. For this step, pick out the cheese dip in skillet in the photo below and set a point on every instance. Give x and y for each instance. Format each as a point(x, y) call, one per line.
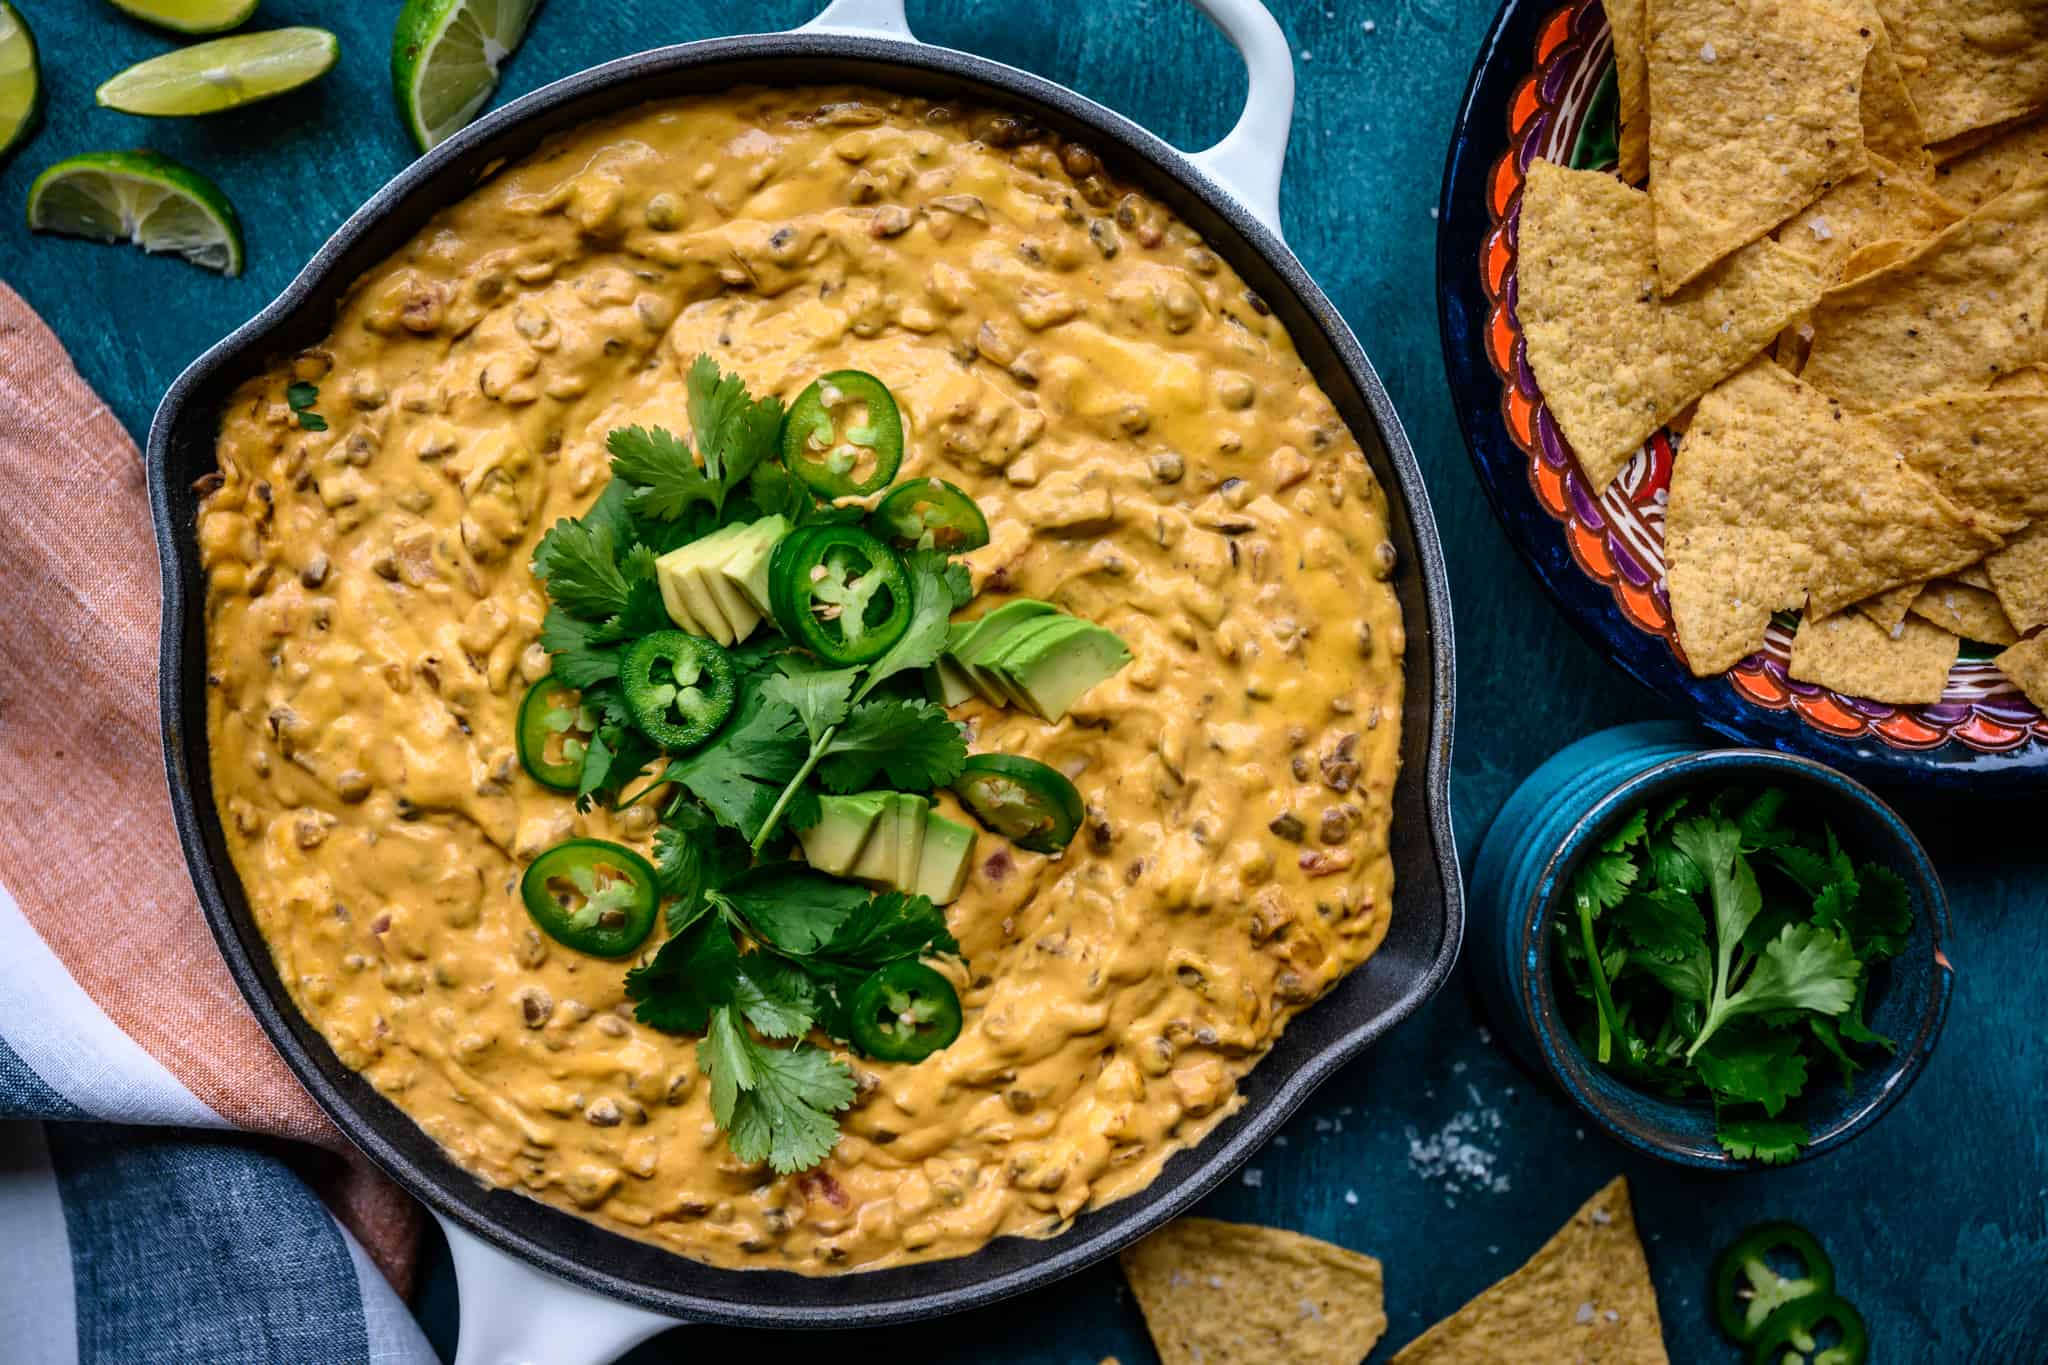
point(1151, 455)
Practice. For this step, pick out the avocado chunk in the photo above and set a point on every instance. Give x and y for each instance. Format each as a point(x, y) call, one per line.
point(911, 814)
point(1025, 637)
point(834, 844)
point(946, 683)
point(687, 596)
point(1052, 668)
point(947, 858)
point(746, 563)
point(983, 637)
point(877, 861)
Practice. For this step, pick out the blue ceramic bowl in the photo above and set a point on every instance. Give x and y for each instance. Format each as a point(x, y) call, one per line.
point(1521, 882)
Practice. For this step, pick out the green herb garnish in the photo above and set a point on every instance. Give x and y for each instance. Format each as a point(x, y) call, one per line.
point(302, 396)
point(1728, 952)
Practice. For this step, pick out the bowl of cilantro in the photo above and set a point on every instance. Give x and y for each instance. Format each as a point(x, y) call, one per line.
point(1727, 957)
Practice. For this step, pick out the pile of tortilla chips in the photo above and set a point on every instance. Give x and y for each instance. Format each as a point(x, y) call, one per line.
point(1836, 279)
point(1231, 1294)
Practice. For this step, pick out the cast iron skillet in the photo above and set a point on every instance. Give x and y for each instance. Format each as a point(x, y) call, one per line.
point(1427, 920)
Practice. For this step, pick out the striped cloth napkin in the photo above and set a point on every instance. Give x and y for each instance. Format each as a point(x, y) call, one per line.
point(148, 1210)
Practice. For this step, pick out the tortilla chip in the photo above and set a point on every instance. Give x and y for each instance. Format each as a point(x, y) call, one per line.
point(1970, 63)
point(1585, 1296)
point(1778, 500)
point(1881, 204)
point(1987, 451)
point(1972, 613)
point(2027, 379)
point(1757, 116)
point(1905, 666)
point(1891, 606)
point(1962, 310)
point(1631, 86)
point(1989, 170)
point(2026, 663)
point(1973, 577)
point(1876, 256)
point(2019, 575)
point(1615, 361)
point(1224, 1293)
point(1891, 125)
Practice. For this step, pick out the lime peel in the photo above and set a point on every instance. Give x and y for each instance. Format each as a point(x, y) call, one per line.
point(140, 197)
point(223, 74)
point(445, 58)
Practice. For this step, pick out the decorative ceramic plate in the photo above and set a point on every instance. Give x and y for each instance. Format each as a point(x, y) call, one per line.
point(1544, 87)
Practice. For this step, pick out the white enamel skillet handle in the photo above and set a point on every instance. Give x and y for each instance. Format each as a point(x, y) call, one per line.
point(513, 1314)
point(1246, 163)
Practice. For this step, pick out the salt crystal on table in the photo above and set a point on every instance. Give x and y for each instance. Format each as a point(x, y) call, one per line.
point(1371, 27)
point(1351, 1196)
point(1255, 1178)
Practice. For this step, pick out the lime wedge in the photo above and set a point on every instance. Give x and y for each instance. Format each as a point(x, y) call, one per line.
point(139, 197)
point(222, 74)
point(445, 57)
point(190, 16)
point(21, 84)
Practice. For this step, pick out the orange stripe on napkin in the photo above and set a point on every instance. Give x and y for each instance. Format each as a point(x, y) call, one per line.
point(87, 845)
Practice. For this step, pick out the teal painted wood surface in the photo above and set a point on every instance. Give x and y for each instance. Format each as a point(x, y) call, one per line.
point(1435, 1152)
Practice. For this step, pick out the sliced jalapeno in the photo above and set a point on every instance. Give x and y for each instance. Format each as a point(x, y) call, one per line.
point(1792, 1335)
point(1748, 1287)
point(904, 1013)
point(931, 514)
point(678, 686)
point(554, 729)
point(840, 593)
point(844, 435)
point(1031, 805)
point(595, 897)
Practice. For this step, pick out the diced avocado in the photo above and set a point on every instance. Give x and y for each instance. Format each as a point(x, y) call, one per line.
point(911, 812)
point(746, 564)
point(946, 683)
point(947, 859)
point(834, 844)
point(1053, 668)
point(986, 634)
point(1025, 637)
point(683, 591)
point(877, 861)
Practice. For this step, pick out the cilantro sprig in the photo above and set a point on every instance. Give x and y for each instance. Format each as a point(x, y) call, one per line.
point(1728, 951)
point(763, 953)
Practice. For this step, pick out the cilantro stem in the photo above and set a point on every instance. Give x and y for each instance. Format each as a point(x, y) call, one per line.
point(1601, 994)
point(803, 775)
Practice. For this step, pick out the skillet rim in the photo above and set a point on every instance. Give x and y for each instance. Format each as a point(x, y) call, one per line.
point(538, 1234)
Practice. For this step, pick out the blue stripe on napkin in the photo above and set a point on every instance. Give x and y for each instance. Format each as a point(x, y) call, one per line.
point(25, 1095)
point(191, 1247)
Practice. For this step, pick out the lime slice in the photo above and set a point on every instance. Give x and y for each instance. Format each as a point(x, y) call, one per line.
point(445, 58)
point(222, 74)
point(21, 84)
point(190, 16)
point(139, 197)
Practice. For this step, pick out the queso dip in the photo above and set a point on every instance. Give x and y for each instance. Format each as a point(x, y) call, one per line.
point(1151, 454)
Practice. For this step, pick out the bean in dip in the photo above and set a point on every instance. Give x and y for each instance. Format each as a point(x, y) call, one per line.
point(1143, 868)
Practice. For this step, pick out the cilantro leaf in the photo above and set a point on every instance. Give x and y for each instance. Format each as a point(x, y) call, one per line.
point(300, 398)
point(664, 475)
point(1760, 821)
point(734, 433)
point(579, 562)
point(1631, 832)
point(740, 776)
point(1602, 878)
point(915, 744)
point(1753, 1066)
point(1808, 869)
point(582, 658)
point(693, 855)
point(819, 697)
point(615, 756)
point(777, 998)
point(1688, 978)
point(1876, 915)
point(1805, 968)
point(1714, 846)
point(959, 582)
point(794, 907)
point(1771, 1141)
point(776, 1104)
point(1663, 923)
point(689, 980)
point(931, 618)
point(888, 927)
